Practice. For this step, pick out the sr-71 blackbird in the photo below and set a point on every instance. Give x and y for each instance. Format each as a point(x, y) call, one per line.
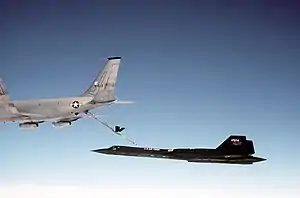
point(234, 150)
point(63, 111)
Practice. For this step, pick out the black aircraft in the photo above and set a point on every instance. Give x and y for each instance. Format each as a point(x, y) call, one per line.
point(234, 150)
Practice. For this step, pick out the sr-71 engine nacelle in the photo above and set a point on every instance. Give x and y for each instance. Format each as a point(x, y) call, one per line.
point(61, 124)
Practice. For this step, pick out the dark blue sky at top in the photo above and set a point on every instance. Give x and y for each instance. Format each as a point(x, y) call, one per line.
point(199, 72)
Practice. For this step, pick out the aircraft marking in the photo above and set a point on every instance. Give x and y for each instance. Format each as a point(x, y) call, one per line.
point(75, 104)
point(236, 142)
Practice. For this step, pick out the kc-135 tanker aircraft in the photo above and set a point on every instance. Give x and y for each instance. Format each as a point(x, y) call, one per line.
point(236, 149)
point(63, 111)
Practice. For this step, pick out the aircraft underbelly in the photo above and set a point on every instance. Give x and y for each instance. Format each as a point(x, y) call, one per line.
point(54, 108)
point(44, 111)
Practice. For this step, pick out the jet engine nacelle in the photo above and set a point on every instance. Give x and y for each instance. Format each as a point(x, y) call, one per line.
point(28, 125)
point(61, 124)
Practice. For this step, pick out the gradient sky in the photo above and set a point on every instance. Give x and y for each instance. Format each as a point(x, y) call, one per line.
point(198, 71)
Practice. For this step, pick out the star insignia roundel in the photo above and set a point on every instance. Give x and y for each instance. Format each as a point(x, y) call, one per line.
point(75, 104)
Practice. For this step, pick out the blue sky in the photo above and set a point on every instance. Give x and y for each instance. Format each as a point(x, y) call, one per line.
point(198, 71)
